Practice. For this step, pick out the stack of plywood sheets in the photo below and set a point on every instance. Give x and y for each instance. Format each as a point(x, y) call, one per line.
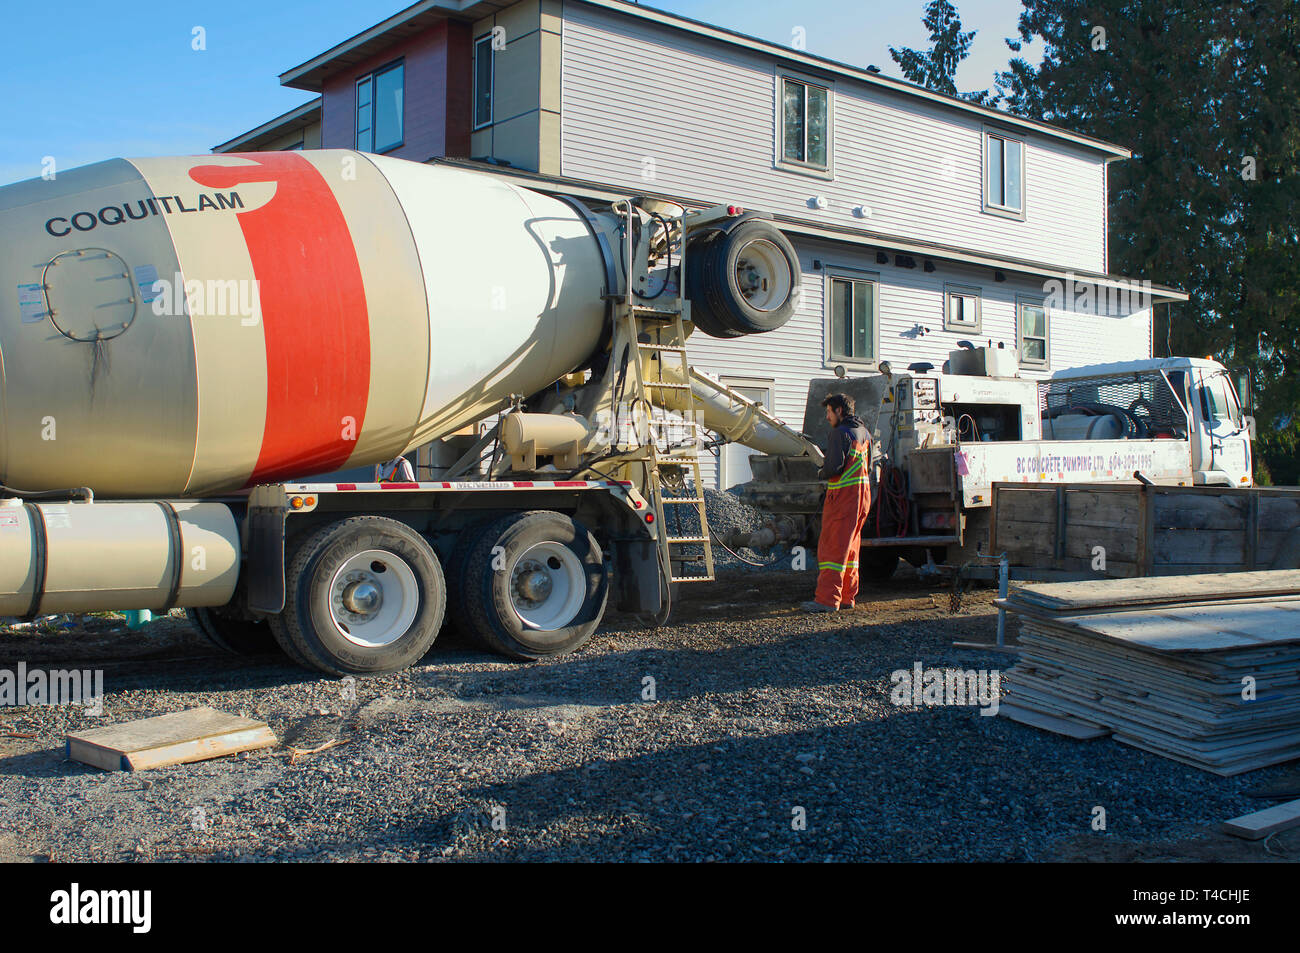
point(1167, 664)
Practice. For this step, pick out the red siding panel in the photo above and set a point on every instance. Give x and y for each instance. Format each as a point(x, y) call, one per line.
point(458, 86)
point(437, 102)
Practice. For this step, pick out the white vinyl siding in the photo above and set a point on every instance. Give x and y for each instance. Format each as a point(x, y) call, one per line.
point(699, 115)
point(653, 109)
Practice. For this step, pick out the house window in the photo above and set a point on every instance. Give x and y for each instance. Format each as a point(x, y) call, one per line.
point(852, 319)
point(804, 124)
point(961, 308)
point(1004, 175)
point(1031, 319)
point(484, 69)
point(380, 109)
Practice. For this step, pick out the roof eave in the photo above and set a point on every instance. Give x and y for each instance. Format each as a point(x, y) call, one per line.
point(311, 74)
point(296, 118)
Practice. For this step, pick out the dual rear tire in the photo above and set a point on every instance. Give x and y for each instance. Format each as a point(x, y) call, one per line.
point(532, 585)
point(363, 595)
point(368, 594)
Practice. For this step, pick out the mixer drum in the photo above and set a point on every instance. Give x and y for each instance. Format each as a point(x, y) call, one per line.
point(194, 326)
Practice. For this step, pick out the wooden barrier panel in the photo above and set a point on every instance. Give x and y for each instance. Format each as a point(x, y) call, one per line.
point(1146, 530)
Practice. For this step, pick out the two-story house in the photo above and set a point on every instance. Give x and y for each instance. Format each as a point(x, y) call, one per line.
point(920, 220)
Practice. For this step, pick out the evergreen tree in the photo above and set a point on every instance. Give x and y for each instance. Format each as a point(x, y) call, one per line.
point(1207, 95)
point(936, 68)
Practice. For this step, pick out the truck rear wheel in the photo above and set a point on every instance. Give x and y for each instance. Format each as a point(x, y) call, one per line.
point(235, 636)
point(362, 595)
point(535, 585)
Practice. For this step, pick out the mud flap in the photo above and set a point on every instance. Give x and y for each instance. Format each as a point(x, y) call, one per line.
point(637, 577)
point(264, 571)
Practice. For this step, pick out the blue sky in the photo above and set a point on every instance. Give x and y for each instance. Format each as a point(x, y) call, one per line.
point(86, 80)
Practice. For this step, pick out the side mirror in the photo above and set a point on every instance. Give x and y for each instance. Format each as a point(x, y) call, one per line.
point(1248, 423)
point(1241, 380)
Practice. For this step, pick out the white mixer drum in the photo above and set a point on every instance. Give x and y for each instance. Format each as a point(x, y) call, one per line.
point(194, 326)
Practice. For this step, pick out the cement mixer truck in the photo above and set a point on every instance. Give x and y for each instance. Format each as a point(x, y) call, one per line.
point(201, 358)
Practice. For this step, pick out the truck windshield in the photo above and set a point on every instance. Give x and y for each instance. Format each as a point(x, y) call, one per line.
point(1143, 404)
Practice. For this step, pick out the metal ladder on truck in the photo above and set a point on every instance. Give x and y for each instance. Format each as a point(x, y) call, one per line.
point(656, 330)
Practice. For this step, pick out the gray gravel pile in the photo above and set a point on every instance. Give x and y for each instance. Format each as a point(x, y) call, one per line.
point(743, 730)
point(727, 513)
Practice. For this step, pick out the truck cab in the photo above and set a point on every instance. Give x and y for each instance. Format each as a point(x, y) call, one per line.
point(1217, 425)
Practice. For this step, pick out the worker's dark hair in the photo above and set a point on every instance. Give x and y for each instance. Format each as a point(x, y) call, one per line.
point(841, 402)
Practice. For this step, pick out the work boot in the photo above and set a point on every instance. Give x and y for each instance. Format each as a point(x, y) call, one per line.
point(816, 607)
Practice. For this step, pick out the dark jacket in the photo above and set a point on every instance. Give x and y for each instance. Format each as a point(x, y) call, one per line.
point(850, 430)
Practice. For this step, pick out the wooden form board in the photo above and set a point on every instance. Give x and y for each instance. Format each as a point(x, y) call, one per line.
point(1159, 590)
point(1133, 724)
point(1268, 821)
point(1185, 675)
point(1057, 725)
point(1197, 628)
point(1146, 530)
point(178, 738)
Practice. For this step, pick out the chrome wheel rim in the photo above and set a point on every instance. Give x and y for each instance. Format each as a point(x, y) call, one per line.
point(548, 586)
point(763, 275)
point(374, 598)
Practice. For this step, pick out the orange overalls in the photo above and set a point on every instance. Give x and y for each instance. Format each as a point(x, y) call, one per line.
point(848, 498)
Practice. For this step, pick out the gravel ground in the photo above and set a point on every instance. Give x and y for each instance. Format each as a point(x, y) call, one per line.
point(759, 716)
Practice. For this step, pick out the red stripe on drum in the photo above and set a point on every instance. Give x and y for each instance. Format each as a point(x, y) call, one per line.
point(314, 315)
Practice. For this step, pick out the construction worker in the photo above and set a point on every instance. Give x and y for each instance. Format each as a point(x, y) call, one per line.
point(395, 471)
point(844, 512)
